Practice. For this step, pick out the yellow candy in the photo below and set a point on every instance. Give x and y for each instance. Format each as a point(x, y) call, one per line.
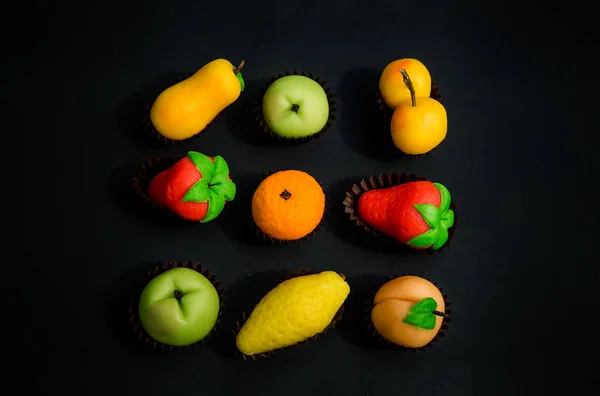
point(295, 310)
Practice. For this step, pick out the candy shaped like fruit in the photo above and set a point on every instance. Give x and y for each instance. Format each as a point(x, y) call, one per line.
point(196, 188)
point(408, 311)
point(420, 124)
point(179, 307)
point(186, 108)
point(416, 213)
point(288, 205)
point(294, 311)
point(295, 106)
point(392, 88)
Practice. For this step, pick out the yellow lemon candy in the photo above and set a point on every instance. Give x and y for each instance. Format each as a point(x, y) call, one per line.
point(295, 310)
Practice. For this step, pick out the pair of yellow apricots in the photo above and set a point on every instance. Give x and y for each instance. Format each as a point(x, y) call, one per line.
point(418, 125)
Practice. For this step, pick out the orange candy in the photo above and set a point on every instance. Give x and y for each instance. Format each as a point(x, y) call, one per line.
point(393, 302)
point(391, 83)
point(288, 205)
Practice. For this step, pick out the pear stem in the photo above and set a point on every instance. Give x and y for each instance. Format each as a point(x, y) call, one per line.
point(239, 68)
point(410, 87)
point(438, 313)
point(295, 108)
point(178, 294)
point(285, 195)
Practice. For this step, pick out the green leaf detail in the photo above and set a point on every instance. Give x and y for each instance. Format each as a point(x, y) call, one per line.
point(438, 220)
point(221, 170)
point(441, 238)
point(199, 192)
point(241, 80)
point(204, 165)
point(430, 213)
point(227, 189)
point(421, 314)
point(424, 240)
point(448, 219)
point(216, 203)
point(445, 198)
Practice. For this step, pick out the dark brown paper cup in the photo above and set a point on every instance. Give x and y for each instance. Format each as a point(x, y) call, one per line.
point(157, 135)
point(387, 113)
point(382, 342)
point(246, 315)
point(273, 241)
point(136, 325)
point(386, 180)
point(280, 139)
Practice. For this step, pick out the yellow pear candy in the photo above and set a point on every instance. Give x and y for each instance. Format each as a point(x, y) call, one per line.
point(294, 311)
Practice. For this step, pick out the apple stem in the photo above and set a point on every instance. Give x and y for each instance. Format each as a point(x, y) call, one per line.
point(410, 87)
point(178, 294)
point(239, 68)
point(285, 195)
point(438, 313)
point(295, 108)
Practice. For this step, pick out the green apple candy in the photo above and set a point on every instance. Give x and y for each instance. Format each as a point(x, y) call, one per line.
point(179, 307)
point(295, 106)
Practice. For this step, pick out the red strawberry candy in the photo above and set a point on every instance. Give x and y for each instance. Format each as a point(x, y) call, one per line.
point(415, 213)
point(196, 187)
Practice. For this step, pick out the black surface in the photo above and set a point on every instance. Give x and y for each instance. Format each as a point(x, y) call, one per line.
point(521, 271)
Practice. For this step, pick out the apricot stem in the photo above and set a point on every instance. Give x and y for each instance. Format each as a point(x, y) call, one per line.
point(178, 294)
point(410, 87)
point(285, 194)
point(239, 68)
point(438, 313)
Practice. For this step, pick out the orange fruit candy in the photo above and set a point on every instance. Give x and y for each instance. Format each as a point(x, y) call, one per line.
point(392, 88)
point(392, 304)
point(419, 124)
point(288, 205)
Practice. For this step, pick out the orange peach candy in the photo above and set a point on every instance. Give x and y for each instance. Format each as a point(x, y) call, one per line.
point(394, 300)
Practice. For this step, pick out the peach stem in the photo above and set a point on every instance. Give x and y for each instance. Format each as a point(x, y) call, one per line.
point(410, 87)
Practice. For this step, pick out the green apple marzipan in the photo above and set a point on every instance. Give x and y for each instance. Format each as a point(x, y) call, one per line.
point(179, 307)
point(296, 108)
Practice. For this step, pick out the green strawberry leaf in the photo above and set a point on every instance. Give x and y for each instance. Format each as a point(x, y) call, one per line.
point(442, 237)
point(199, 192)
point(227, 189)
point(221, 170)
point(204, 165)
point(430, 213)
point(447, 219)
point(216, 203)
point(445, 198)
point(421, 314)
point(426, 239)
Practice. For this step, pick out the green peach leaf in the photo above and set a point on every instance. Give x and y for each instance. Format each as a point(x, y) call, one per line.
point(216, 203)
point(430, 214)
point(445, 197)
point(227, 189)
point(421, 314)
point(204, 165)
point(426, 239)
point(221, 170)
point(199, 192)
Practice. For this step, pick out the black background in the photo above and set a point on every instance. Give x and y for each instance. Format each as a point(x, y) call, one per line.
point(520, 271)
